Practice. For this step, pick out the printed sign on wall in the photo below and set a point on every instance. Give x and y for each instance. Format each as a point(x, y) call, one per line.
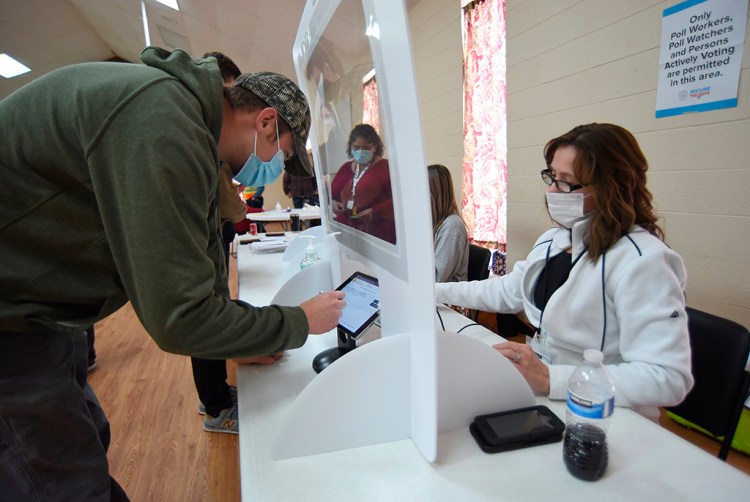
point(700, 56)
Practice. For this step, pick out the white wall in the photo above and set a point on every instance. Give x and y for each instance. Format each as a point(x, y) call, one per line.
point(577, 61)
point(436, 45)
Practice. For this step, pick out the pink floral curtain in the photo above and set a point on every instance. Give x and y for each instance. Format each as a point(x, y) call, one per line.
point(484, 198)
point(370, 112)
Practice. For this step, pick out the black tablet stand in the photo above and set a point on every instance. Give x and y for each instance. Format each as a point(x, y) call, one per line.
point(345, 344)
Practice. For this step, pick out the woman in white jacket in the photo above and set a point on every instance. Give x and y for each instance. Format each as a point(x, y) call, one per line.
point(602, 279)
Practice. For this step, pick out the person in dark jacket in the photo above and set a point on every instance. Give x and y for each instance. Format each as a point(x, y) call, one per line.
point(302, 190)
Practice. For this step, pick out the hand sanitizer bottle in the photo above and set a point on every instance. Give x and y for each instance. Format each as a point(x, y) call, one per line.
point(278, 206)
point(311, 256)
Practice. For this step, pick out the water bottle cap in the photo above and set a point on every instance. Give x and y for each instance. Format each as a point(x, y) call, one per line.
point(593, 355)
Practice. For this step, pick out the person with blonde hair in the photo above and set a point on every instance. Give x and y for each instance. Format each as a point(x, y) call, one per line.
point(448, 228)
point(601, 279)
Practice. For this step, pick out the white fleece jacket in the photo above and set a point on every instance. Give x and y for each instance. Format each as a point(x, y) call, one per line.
point(631, 300)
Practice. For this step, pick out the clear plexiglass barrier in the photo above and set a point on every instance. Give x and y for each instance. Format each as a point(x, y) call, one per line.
point(354, 63)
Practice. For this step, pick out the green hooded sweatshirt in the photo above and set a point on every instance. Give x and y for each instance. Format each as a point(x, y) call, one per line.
point(108, 193)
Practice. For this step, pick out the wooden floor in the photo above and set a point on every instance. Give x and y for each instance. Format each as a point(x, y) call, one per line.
point(159, 451)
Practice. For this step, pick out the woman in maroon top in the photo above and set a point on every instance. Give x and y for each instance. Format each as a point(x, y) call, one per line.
point(361, 190)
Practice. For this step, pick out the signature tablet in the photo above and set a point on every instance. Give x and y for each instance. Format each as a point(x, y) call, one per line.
point(362, 304)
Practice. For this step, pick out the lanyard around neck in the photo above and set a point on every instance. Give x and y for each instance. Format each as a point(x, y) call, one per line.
point(358, 173)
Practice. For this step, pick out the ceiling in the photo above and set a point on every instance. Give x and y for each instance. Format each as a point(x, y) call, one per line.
point(48, 34)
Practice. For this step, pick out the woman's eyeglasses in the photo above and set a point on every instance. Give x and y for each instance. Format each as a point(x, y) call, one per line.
point(563, 186)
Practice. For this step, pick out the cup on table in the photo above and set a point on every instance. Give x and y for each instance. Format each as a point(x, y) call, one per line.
point(294, 219)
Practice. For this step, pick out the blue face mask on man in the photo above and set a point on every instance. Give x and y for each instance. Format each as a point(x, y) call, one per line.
point(257, 173)
point(362, 157)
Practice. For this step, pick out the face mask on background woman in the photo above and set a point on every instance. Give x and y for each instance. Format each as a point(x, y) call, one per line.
point(362, 156)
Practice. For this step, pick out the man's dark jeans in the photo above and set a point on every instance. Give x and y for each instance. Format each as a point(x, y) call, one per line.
point(53, 433)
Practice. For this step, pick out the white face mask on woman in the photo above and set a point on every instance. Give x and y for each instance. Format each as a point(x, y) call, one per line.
point(566, 208)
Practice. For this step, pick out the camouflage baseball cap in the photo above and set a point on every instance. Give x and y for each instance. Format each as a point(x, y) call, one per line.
point(282, 94)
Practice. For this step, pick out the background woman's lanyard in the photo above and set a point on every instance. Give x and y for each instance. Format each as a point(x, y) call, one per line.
point(358, 173)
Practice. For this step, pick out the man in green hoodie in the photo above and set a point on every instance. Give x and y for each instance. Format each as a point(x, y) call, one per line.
point(90, 218)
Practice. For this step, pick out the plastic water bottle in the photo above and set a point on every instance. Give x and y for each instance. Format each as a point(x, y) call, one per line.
point(278, 206)
point(590, 403)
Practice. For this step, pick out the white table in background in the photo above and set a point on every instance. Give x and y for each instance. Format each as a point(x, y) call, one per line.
point(283, 217)
point(647, 462)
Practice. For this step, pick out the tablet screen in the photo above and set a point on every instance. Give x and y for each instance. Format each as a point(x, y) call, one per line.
point(362, 303)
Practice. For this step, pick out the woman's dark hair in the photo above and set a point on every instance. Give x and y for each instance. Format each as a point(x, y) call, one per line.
point(441, 194)
point(612, 166)
point(369, 134)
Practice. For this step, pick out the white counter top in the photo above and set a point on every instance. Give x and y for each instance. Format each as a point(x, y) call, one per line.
point(646, 461)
